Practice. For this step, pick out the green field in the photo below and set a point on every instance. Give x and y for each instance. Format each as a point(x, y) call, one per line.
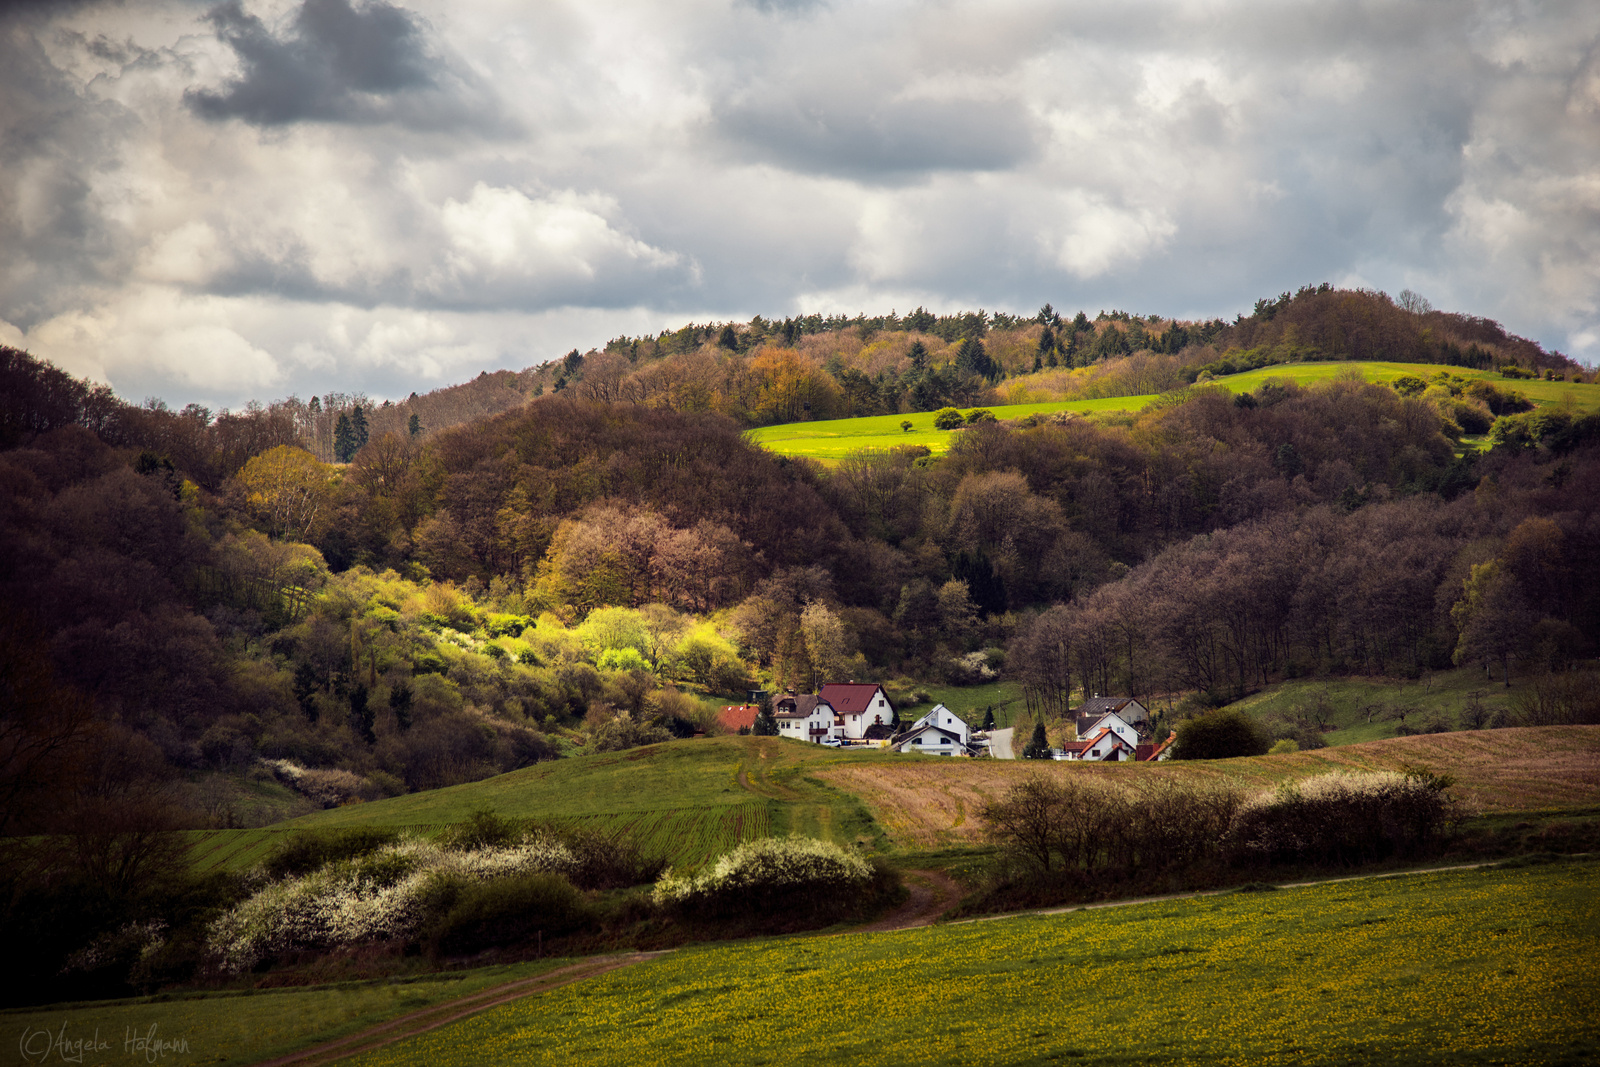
point(1369, 709)
point(831, 440)
point(1482, 966)
point(224, 1029)
point(688, 801)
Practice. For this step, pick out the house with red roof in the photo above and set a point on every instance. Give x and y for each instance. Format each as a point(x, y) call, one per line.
point(858, 706)
point(738, 717)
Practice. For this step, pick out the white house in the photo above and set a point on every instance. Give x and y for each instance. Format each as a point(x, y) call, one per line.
point(1097, 707)
point(941, 732)
point(1110, 737)
point(858, 707)
point(805, 717)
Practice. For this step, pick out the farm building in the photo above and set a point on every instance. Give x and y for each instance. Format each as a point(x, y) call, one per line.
point(941, 732)
point(858, 707)
point(1111, 738)
point(738, 717)
point(806, 717)
point(1127, 709)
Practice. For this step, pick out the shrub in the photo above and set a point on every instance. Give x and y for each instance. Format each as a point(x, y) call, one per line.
point(386, 895)
point(1340, 818)
point(1283, 747)
point(1220, 735)
point(309, 850)
point(482, 829)
point(979, 415)
point(948, 419)
point(506, 911)
point(798, 876)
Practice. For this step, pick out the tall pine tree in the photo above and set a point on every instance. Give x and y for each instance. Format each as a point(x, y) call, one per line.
point(344, 439)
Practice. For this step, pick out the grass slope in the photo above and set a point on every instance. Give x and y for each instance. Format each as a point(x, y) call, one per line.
point(687, 800)
point(932, 803)
point(1369, 709)
point(222, 1030)
point(1484, 966)
point(831, 440)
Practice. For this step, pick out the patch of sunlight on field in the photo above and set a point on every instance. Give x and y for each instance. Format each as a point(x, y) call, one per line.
point(1468, 967)
point(831, 440)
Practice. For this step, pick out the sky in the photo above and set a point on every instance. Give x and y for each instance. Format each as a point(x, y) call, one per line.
point(218, 202)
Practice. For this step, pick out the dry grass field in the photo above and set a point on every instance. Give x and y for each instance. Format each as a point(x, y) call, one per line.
point(933, 801)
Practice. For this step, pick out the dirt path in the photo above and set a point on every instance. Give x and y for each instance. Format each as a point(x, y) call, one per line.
point(431, 1018)
point(932, 894)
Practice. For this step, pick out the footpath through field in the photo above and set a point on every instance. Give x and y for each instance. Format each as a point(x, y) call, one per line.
point(420, 1022)
point(932, 895)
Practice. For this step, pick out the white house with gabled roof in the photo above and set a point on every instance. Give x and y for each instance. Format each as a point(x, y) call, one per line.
point(941, 732)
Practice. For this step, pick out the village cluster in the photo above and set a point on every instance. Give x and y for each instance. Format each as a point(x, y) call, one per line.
point(852, 714)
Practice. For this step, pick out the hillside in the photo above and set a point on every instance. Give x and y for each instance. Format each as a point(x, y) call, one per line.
point(688, 801)
point(929, 804)
point(831, 440)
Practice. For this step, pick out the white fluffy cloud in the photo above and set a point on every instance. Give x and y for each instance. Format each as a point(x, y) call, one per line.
point(260, 197)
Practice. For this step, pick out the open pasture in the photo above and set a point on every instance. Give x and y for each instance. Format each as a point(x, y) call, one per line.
point(687, 801)
point(1461, 967)
point(932, 802)
point(237, 1028)
point(831, 440)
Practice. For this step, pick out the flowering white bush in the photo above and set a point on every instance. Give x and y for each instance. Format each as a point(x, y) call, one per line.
point(376, 897)
point(795, 869)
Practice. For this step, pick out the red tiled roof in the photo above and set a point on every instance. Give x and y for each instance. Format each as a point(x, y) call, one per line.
point(734, 716)
point(850, 698)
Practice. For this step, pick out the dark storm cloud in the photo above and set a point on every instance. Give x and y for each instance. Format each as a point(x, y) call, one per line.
point(338, 63)
point(51, 146)
point(891, 140)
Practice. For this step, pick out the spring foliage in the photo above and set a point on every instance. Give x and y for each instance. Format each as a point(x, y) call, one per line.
point(798, 873)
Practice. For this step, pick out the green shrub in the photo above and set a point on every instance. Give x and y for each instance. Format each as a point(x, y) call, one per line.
point(979, 415)
point(482, 829)
point(1340, 818)
point(506, 911)
point(312, 849)
point(1220, 735)
point(948, 419)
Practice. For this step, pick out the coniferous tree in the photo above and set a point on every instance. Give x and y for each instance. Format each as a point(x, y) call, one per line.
point(344, 439)
point(358, 424)
point(1038, 746)
point(766, 722)
point(414, 426)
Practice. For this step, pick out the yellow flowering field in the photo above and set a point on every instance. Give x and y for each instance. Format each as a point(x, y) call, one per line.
point(1481, 966)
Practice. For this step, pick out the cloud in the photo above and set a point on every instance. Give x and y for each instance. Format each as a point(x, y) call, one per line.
point(277, 195)
point(505, 247)
point(337, 62)
point(829, 134)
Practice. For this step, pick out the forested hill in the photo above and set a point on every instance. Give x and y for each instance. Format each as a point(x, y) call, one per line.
point(201, 610)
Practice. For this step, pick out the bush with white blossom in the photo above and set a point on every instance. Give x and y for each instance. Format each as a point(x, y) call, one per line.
point(377, 897)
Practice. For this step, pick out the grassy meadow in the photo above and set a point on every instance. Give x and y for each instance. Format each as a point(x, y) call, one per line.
point(1463, 967)
point(1369, 709)
point(831, 440)
point(227, 1029)
point(688, 801)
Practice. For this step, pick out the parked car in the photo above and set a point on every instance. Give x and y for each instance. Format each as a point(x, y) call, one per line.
point(832, 742)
